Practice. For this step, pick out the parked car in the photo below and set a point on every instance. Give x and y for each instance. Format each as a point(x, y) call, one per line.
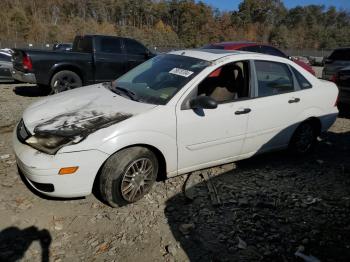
point(303, 59)
point(176, 113)
point(342, 79)
point(93, 59)
point(338, 59)
point(259, 48)
point(62, 47)
point(316, 60)
point(5, 67)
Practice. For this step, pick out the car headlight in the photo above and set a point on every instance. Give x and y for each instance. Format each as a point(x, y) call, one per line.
point(48, 144)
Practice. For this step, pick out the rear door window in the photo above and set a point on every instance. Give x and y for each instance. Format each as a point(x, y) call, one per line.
point(303, 83)
point(273, 78)
point(83, 44)
point(111, 45)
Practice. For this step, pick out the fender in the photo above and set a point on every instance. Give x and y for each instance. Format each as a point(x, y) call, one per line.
point(164, 143)
point(308, 113)
point(66, 66)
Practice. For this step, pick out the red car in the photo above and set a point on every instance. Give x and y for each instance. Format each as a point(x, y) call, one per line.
point(259, 48)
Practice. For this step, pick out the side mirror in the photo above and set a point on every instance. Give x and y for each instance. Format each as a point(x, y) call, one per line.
point(204, 102)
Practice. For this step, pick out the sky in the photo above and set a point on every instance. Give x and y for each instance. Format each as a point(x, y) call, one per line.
point(233, 4)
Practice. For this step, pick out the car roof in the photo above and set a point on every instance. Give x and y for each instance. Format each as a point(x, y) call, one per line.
point(205, 54)
point(215, 54)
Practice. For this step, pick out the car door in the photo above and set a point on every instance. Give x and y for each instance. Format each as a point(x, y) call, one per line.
point(210, 137)
point(275, 108)
point(110, 59)
point(136, 53)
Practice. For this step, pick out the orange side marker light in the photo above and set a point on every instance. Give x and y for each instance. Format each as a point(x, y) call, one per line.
point(68, 170)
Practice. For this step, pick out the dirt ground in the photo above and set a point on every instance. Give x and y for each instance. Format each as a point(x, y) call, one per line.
point(262, 209)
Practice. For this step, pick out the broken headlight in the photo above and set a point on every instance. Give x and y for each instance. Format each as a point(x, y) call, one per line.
point(48, 144)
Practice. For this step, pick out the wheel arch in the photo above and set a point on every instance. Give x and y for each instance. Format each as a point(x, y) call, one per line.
point(316, 122)
point(162, 169)
point(62, 67)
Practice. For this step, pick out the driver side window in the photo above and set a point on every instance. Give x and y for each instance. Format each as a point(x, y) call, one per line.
point(227, 83)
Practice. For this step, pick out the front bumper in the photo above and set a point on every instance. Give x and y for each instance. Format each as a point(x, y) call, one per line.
point(41, 170)
point(23, 77)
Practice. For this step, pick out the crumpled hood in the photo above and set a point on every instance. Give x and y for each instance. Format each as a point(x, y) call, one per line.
point(80, 112)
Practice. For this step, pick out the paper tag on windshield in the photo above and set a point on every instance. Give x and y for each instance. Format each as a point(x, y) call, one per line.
point(181, 72)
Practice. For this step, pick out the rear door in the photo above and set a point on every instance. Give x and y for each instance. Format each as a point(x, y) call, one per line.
point(136, 53)
point(110, 59)
point(275, 108)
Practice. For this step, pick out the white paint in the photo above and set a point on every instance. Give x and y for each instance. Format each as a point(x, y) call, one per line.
point(187, 141)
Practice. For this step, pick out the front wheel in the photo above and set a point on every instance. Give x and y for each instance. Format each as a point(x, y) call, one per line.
point(304, 138)
point(128, 175)
point(65, 80)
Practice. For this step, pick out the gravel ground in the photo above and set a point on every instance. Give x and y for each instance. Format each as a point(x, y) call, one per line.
point(262, 209)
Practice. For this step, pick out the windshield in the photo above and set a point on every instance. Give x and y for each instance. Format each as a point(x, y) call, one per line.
point(157, 80)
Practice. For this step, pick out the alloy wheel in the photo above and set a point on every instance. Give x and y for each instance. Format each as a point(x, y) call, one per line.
point(137, 179)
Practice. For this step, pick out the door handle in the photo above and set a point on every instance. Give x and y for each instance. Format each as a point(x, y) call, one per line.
point(294, 100)
point(243, 111)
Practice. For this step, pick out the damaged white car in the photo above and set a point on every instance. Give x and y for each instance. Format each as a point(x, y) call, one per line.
point(176, 113)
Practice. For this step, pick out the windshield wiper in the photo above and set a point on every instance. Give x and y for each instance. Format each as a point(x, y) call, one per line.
point(120, 90)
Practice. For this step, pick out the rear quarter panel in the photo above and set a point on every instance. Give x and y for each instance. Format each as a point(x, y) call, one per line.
point(320, 101)
point(45, 63)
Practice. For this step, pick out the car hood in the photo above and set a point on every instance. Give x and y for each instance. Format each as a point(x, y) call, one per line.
point(80, 112)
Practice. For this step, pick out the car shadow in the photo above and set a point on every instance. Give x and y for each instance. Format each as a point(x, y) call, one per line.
point(31, 91)
point(268, 207)
point(14, 242)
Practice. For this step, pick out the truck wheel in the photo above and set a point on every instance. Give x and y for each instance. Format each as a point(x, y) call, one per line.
point(64, 80)
point(304, 139)
point(128, 175)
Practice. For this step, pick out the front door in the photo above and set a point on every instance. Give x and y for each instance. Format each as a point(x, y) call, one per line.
point(208, 137)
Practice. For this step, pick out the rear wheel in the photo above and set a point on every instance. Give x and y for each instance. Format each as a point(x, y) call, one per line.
point(128, 175)
point(65, 80)
point(304, 138)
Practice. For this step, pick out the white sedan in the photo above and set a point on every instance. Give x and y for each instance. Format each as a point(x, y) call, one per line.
point(176, 113)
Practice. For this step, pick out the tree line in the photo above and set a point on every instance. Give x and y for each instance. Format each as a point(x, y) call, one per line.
point(175, 23)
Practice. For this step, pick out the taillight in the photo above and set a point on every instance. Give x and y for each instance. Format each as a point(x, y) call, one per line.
point(27, 62)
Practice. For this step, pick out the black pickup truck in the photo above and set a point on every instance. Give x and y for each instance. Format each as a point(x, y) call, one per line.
point(93, 59)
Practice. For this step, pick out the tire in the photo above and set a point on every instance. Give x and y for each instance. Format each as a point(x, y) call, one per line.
point(65, 80)
point(304, 139)
point(120, 180)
